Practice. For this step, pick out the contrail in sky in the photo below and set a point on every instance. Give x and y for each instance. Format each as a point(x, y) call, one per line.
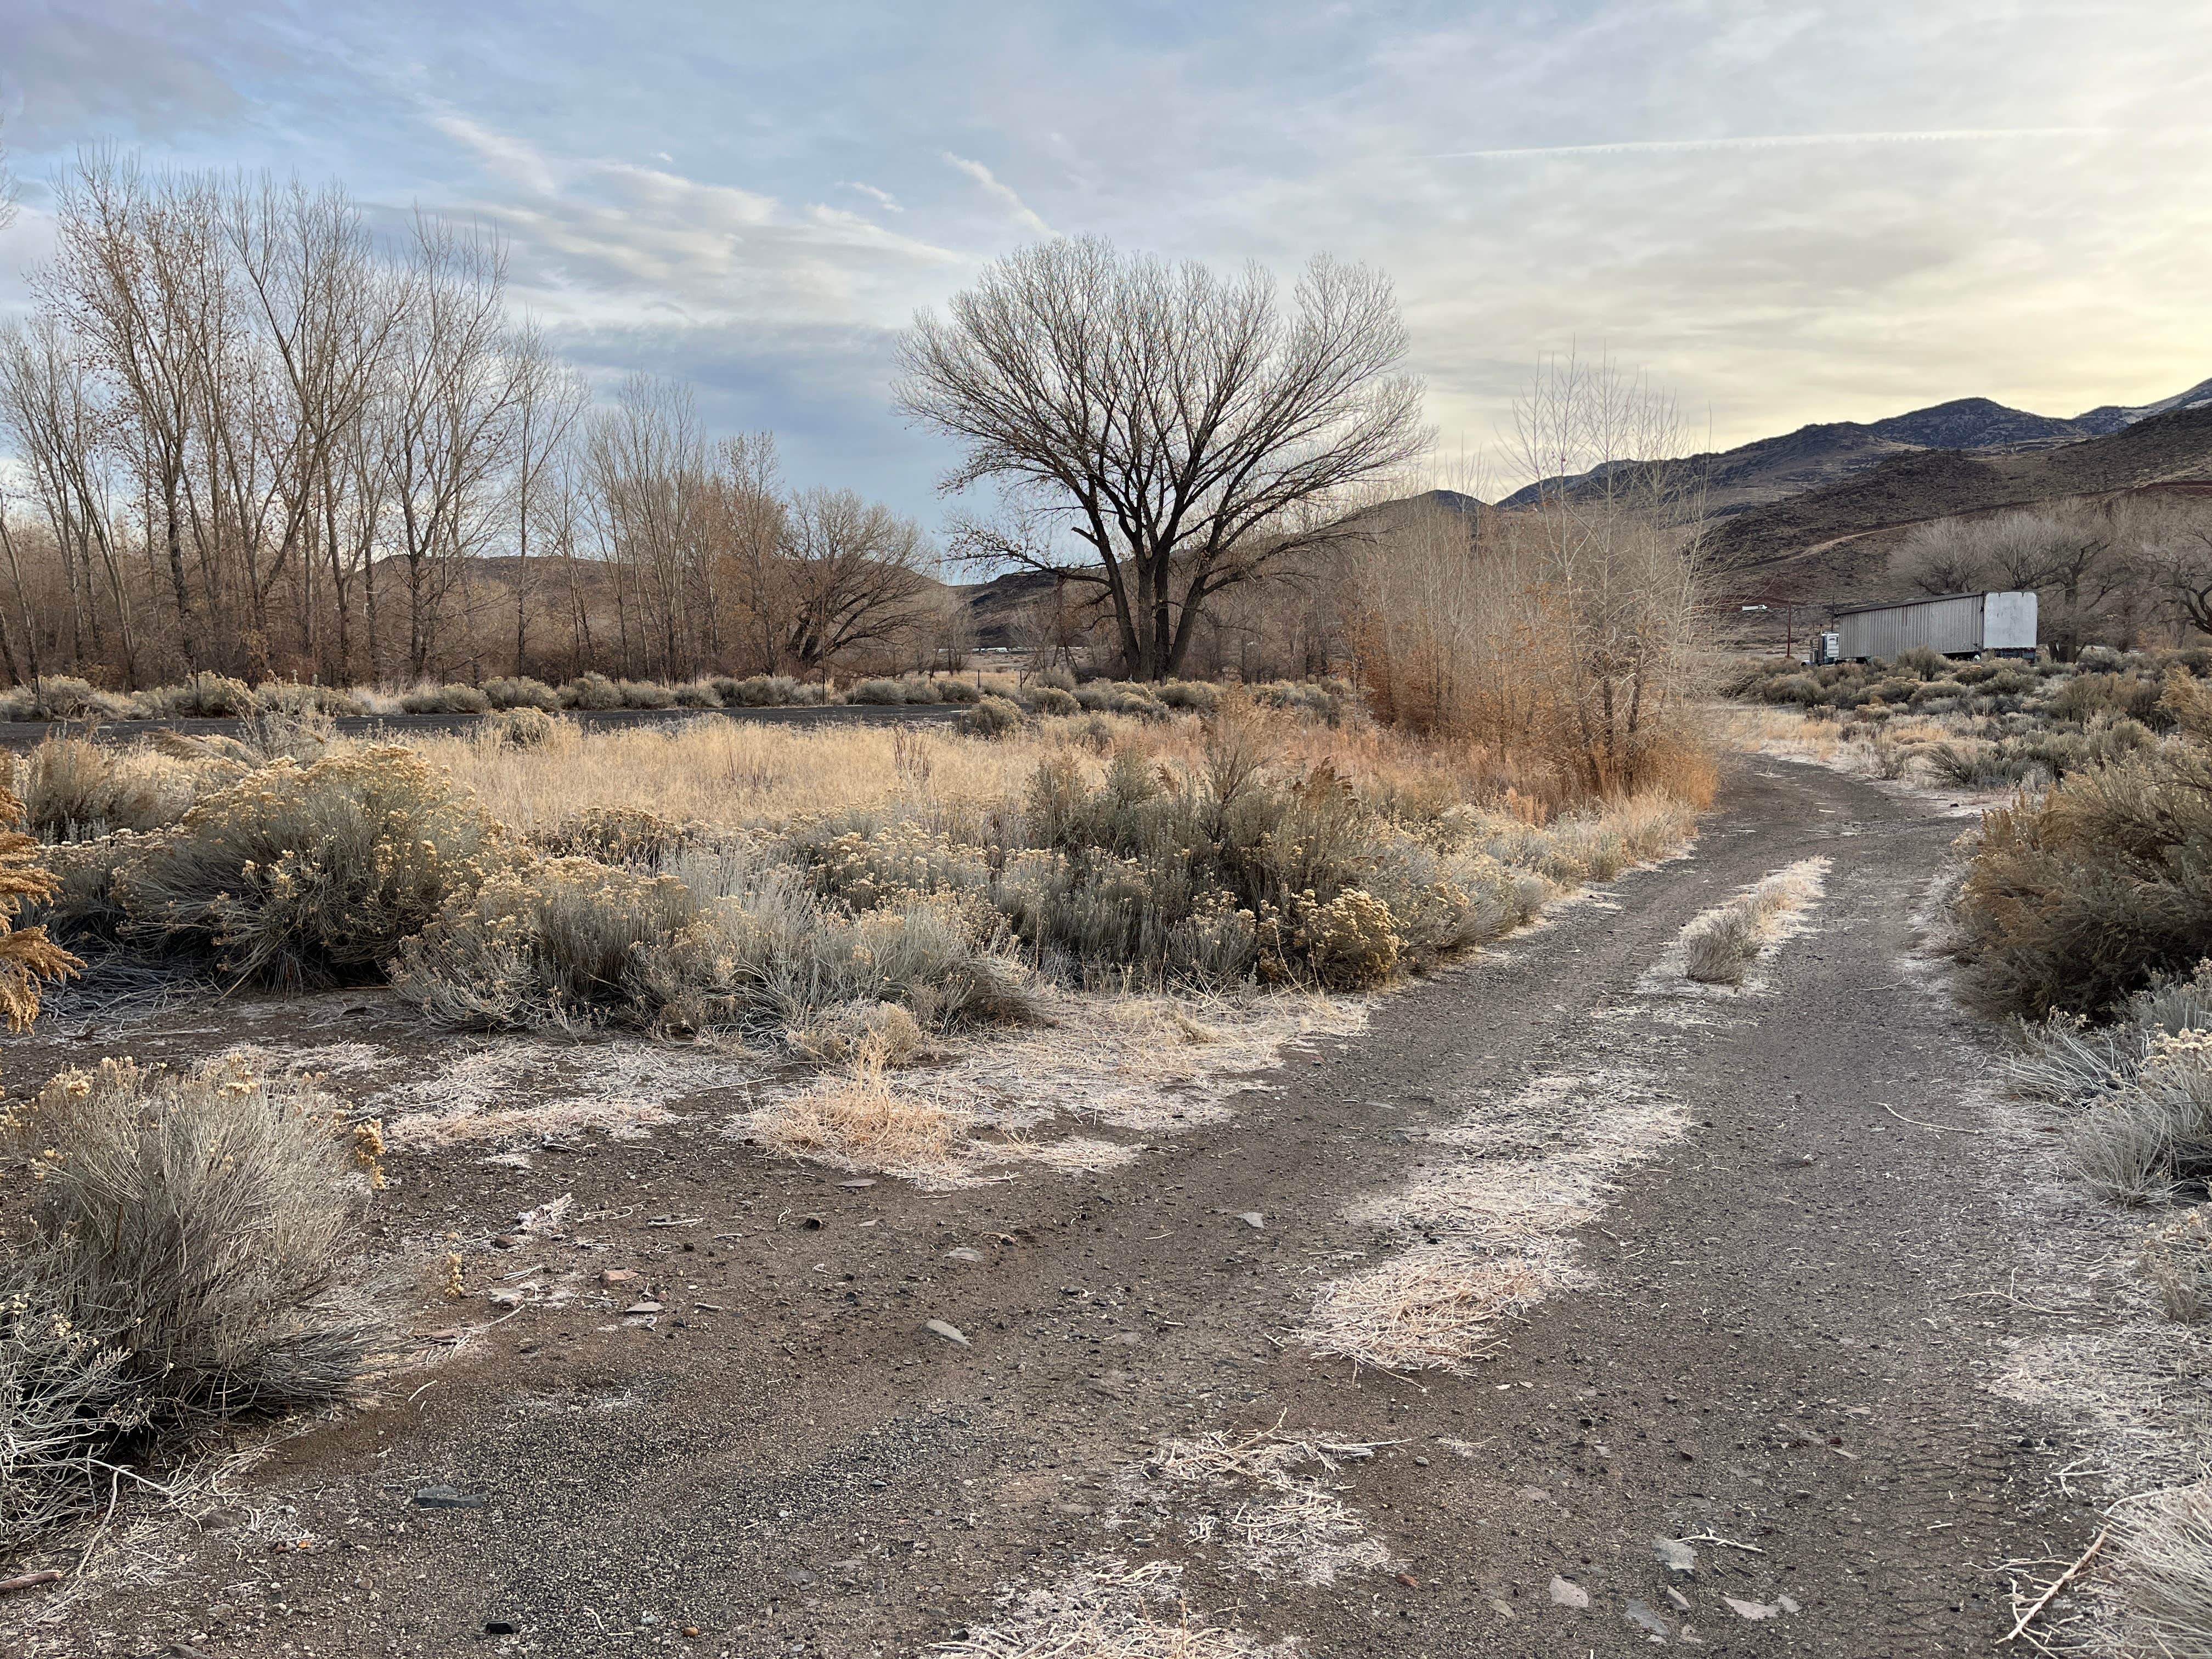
point(1796, 141)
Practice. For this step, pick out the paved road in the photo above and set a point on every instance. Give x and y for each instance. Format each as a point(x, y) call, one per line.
point(29, 734)
point(1777, 1344)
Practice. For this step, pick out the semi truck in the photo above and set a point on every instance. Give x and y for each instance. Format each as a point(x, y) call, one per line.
point(1956, 624)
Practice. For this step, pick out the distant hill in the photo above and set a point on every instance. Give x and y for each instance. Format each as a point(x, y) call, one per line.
point(1770, 470)
point(1833, 543)
point(2111, 417)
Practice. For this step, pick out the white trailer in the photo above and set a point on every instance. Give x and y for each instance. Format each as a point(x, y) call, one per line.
point(1956, 624)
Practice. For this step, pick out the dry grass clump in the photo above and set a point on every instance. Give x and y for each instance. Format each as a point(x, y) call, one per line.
point(305, 875)
point(859, 1120)
point(1719, 946)
point(2167, 1575)
point(75, 789)
point(172, 1245)
point(1300, 1525)
point(1427, 1309)
point(2177, 1258)
point(2135, 1096)
point(618, 835)
point(1103, 1609)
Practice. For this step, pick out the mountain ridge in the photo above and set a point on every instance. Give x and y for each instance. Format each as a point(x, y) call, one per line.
point(1769, 471)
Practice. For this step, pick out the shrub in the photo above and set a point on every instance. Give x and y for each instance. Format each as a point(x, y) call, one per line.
point(956, 690)
point(62, 697)
point(591, 691)
point(557, 943)
point(1195, 696)
point(2075, 900)
point(1921, 661)
point(992, 717)
point(696, 693)
point(202, 696)
point(618, 835)
point(1234, 870)
point(1305, 696)
point(520, 691)
point(82, 908)
point(643, 694)
point(1350, 944)
point(27, 957)
point(523, 726)
point(763, 691)
point(731, 938)
point(290, 698)
point(75, 789)
point(306, 874)
point(2087, 695)
point(1058, 678)
point(1976, 765)
point(445, 700)
point(174, 1272)
point(1052, 700)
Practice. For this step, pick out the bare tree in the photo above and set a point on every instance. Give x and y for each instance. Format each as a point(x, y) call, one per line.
point(745, 529)
point(48, 404)
point(857, 577)
point(324, 310)
point(1610, 568)
point(647, 462)
point(1171, 419)
point(550, 398)
point(11, 191)
point(137, 278)
point(448, 419)
point(1941, 556)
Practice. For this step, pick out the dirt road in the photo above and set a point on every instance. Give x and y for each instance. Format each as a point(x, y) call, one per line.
point(1778, 1342)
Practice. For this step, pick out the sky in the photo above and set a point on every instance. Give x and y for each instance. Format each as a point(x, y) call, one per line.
point(1780, 212)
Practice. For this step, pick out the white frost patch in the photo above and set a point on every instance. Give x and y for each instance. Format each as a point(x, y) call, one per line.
point(1139, 1065)
point(1104, 1608)
point(517, 1089)
point(1485, 1229)
point(1297, 1526)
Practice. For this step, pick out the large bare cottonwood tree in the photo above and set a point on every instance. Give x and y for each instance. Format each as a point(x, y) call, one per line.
point(1183, 426)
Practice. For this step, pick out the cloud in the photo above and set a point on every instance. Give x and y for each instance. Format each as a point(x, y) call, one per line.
point(882, 198)
point(1018, 208)
point(599, 243)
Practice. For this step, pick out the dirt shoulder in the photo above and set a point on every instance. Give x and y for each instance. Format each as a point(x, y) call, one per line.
point(1772, 1336)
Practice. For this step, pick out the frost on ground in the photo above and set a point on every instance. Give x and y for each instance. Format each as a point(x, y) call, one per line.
point(1482, 1233)
point(1132, 1066)
point(2102, 1356)
point(1260, 1502)
point(1103, 1608)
